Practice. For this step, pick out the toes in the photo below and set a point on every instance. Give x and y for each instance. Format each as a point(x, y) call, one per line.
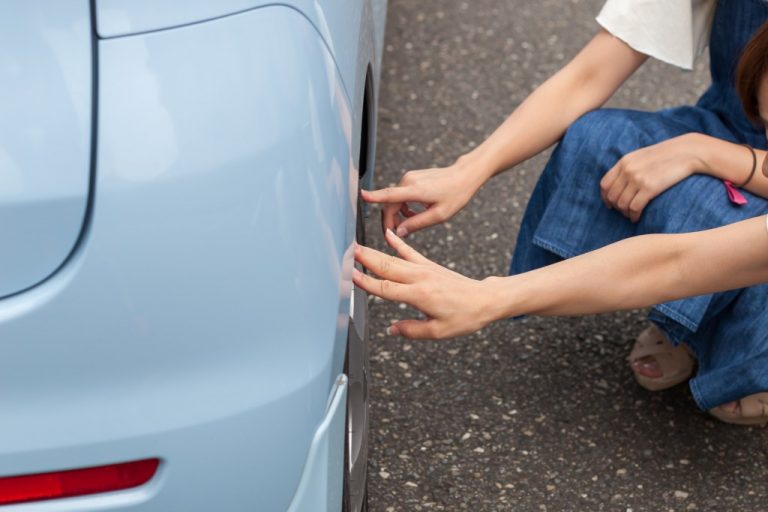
point(730, 407)
point(647, 367)
point(749, 411)
point(754, 406)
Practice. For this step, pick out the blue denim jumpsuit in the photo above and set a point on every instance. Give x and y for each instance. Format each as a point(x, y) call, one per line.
point(566, 216)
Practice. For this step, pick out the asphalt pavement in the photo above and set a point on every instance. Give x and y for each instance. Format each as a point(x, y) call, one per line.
point(539, 415)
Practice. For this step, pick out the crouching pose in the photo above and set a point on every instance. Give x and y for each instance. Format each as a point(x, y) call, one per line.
point(630, 183)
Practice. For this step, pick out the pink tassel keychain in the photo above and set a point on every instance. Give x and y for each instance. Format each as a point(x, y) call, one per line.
point(734, 195)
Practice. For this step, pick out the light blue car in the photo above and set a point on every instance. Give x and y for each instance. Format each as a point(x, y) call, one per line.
point(178, 210)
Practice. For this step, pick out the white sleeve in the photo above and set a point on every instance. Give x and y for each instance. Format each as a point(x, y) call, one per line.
point(674, 31)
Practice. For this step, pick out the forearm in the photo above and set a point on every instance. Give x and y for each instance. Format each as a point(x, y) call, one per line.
point(582, 85)
point(639, 272)
point(729, 161)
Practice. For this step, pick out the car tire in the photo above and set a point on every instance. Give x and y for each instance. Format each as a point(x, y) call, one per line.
point(356, 367)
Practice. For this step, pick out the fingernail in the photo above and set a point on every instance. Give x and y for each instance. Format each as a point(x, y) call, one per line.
point(390, 232)
point(401, 231)
point(356, 273)
point(393, 330)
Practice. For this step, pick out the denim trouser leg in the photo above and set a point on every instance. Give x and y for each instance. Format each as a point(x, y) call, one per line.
point(732, 349)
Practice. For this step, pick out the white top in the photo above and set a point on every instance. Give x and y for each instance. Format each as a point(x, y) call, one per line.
point(674, 31)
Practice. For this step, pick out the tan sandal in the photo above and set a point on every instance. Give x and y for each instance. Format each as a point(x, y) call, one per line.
point(676, 363)
point(750, 410)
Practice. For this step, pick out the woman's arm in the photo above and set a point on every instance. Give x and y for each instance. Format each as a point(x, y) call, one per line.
point(729, 161)
point(584, 84)
point(632, 273)
point(640, 176)
point(641, 271)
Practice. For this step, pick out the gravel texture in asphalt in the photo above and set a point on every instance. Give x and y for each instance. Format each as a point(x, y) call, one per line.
point(541, 414)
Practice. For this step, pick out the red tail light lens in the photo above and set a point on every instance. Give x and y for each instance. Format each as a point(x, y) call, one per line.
point(76, 482)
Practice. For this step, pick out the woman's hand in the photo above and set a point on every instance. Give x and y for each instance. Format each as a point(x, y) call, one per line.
point(442, 191)
point(644, 174)
point(453, 304)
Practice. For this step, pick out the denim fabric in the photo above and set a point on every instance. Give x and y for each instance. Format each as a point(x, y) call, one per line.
point(566, 216)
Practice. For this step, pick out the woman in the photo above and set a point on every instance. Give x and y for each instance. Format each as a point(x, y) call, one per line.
point(656, 173)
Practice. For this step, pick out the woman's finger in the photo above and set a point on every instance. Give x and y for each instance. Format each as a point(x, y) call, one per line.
point(607, 182)
point(414, 329)
point(623, 202)
point(383, 288)
point(389, 195)
point(638, 204)
point(403, 249)
point(390, 216)
point(406, 211)
point(421, 220)
point(384, 265)
point(614, 193)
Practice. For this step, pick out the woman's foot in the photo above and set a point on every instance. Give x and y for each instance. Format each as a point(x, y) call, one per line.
point(656, 363)
point(750, 410)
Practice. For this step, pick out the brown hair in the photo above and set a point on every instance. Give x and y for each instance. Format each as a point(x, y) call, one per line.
point(752, 69)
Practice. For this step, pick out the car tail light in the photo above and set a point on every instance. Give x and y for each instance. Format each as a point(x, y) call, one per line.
point(76, 482)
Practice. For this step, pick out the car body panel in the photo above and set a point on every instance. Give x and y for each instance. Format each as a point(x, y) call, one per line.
point(203, 317)
point(117, 18)
point(45, 136)
point(353, 29)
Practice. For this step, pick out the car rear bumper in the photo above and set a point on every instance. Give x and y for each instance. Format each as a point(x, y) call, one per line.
point(319, 489)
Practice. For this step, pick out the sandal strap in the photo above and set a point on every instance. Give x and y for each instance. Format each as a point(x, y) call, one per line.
point(650, 342)
point(754, 406)
point(674, 361)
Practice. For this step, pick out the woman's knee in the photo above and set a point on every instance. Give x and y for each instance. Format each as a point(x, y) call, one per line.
point(591, 145)
point(598, 139)
point(602, 129)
